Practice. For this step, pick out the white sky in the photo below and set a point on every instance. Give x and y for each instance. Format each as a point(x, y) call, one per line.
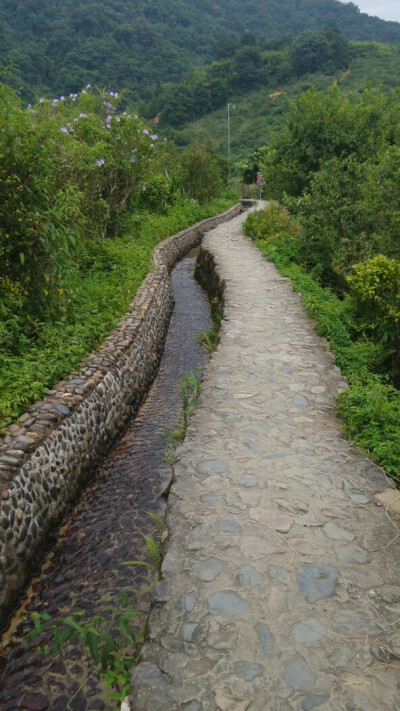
point(386, 9)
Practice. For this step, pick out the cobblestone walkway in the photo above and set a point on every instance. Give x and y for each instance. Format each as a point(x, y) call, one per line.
point(281, 582)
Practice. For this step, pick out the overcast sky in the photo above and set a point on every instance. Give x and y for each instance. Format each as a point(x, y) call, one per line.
point(386, 9)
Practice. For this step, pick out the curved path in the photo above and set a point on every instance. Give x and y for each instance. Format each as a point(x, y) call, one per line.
point(281, 583)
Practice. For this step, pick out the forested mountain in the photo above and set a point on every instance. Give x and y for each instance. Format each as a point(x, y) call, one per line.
point(60, 45)
point(261, 105)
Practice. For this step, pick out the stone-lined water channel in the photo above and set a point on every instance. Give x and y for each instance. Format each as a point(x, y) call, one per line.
point(105, 528)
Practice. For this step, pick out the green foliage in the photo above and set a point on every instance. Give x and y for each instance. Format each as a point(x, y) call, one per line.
point(110, 638)
point(134, 45)
point(314, 50)
point(65, 182)
point(210, 339)
point(263, 109)
point(190, 393)
point(153, 547)
point(271, 222)
point(203, 172)
point(375, 287)
point(103, 288)
point(371, 407)
point(371, 412)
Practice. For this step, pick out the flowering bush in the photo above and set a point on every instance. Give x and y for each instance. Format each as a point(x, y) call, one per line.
point(69, 169)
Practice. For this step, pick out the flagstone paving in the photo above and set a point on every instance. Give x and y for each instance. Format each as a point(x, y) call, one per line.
point(280, 585)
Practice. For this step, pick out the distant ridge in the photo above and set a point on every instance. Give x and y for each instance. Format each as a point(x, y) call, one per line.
point(60, 45)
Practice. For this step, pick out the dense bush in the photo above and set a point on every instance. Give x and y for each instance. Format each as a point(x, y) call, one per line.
point(336, 166)
point(69, 169)
point(204, 172)
point(77, 175)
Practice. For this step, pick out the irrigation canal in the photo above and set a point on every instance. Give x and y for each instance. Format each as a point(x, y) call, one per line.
point(104, 529)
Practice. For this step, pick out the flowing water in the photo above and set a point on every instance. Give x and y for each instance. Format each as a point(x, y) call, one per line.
point(104, 529)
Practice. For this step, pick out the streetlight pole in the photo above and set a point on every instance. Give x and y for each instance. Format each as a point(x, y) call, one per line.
point(229, 138)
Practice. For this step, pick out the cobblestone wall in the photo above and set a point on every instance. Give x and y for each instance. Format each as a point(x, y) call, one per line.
point(50, 451)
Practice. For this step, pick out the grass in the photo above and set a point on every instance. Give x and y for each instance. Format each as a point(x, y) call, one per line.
point(103, 292)
point(190, 394)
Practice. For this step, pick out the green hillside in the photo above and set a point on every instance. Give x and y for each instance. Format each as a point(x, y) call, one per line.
point(259, 111)
point(60, 45)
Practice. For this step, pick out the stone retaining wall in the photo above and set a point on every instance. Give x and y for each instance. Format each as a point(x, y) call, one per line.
point(50, 451)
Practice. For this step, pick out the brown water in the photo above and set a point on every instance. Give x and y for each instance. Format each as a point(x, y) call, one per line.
point(104, 529)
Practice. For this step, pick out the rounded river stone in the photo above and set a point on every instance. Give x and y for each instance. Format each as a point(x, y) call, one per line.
point(248, 670)
point(229, 526)
point(248, 480)
point(209, 569)
point(309, 631)
point(300, 401)
point(212, 466)
point(248, 575)
point(298, 675)
point(313, 702)
point(227, 604)
point(267, 639)
point(317, 581)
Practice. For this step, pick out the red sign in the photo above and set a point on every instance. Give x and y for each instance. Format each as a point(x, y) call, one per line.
point(259, 179)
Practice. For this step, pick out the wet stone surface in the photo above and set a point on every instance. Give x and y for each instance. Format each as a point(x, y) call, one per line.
point(106, 528)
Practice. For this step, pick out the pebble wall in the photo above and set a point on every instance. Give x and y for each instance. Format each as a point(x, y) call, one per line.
point(46, 456)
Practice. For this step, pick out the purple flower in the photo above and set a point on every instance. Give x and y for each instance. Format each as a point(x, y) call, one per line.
point(144, 188)
point(118, 119)
point(88, 86)
point(133, 159)
point(145, 131)
point(41, 101)
point(108, 119)
point(64, 130)
point(75, 119)
point(82, 115)
point(154, 137)
point(100, 162)
point(83, 91)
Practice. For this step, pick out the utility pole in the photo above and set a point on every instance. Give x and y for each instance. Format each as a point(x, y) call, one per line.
point(229, 137)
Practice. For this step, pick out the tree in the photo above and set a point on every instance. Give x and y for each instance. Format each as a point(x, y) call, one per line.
point(204, 172)
point(310, 52)
point(247, 67)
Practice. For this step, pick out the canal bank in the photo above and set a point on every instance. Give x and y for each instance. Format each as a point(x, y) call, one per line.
point(85, 571)
point(49, 454)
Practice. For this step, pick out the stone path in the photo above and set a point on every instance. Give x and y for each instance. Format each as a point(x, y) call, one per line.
point(280, 586)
